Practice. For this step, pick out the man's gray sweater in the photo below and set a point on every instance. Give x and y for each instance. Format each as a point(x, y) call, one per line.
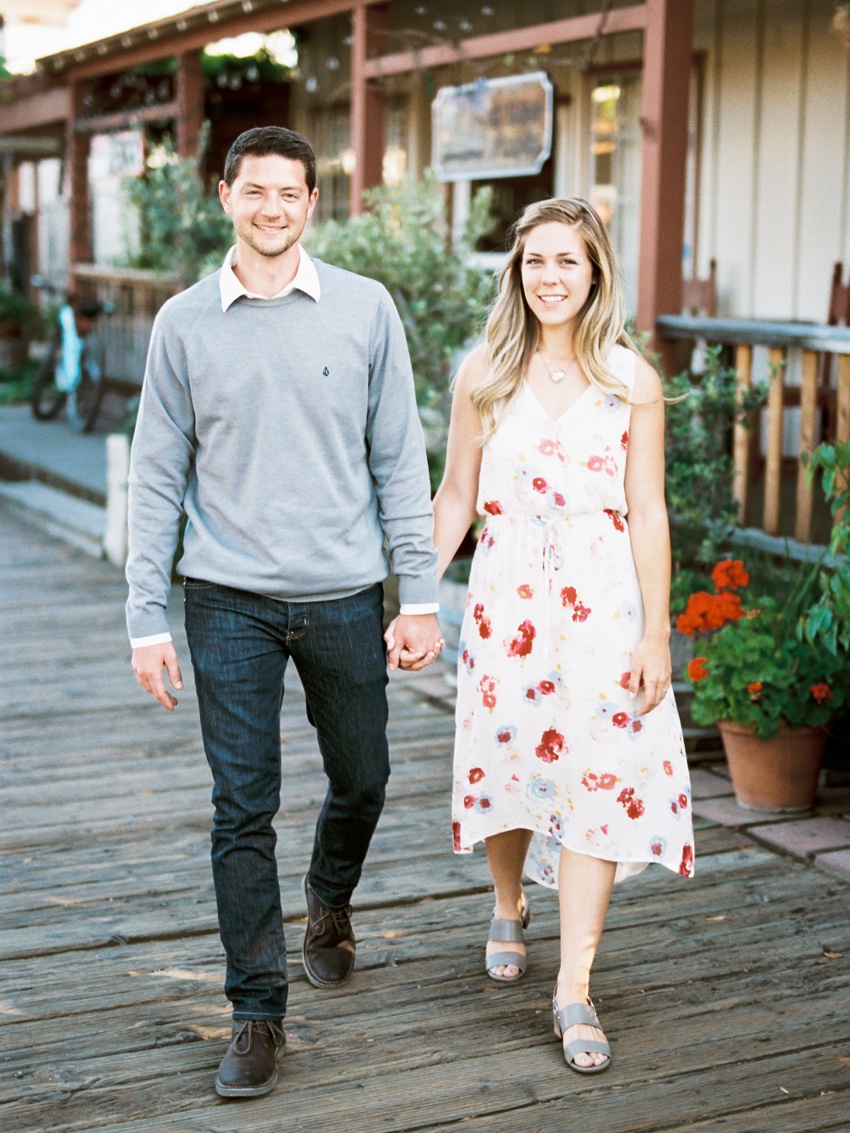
point(287, 431)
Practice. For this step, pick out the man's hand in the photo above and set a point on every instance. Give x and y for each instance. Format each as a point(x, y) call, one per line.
point(413, 641)
point(148, 663)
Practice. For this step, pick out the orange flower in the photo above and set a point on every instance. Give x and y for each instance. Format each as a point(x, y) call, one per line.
point(697, 670)
point(821, 692)
point(729, 574)
point(754, 689)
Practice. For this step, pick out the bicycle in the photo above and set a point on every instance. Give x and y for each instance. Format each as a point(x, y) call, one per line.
point(71, 371)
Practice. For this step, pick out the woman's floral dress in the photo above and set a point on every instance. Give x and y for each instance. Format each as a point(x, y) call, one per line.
point(547, 737)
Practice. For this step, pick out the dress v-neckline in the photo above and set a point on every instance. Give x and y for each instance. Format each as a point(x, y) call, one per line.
point(555, 420)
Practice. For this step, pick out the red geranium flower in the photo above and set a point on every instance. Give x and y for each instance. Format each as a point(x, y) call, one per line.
point(697, 670)
point(821, 692)
point(729, 574)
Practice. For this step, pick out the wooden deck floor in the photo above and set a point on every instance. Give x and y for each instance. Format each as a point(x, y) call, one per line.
point(726, 999)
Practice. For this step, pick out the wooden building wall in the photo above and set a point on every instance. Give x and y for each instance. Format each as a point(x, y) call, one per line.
point(774, 195)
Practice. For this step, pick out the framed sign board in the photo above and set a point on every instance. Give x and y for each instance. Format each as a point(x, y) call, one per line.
point(492, 128)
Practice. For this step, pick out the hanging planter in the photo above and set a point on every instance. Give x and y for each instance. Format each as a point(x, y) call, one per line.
point(779, 774)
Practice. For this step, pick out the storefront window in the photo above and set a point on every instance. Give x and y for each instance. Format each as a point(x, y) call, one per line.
point(615, 168)
point(334, 157)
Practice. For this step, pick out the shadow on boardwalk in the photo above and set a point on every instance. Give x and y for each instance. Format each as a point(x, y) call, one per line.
point(723, 1009)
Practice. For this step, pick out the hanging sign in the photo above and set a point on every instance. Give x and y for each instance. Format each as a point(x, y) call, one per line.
point(492, 128)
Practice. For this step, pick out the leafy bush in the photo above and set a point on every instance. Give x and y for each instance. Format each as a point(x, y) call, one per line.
point(700, 468)
point(402, 242)
point(182, 226)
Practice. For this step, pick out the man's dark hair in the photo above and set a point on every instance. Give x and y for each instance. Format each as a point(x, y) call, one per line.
point(264, 140)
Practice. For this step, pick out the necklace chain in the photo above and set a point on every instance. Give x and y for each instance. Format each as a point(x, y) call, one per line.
point(556, 375)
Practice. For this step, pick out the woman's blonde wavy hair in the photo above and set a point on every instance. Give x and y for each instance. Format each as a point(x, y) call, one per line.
point(513, 332)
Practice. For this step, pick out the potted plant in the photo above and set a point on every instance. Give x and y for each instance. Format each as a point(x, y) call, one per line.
point(773, 672)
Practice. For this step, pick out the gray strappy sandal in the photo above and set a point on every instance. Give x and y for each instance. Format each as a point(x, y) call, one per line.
point(507, 931)
point(570, 1016)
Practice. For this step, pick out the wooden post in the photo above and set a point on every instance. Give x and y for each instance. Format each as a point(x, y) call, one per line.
point(77, 147)
point(808, 439)
point(367, 106)
point(667, 53)
point(773, 459)
point(842, 424)
point(742, 436)
point(189, 95)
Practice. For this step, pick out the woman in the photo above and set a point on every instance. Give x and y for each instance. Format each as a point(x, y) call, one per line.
point(569, 758)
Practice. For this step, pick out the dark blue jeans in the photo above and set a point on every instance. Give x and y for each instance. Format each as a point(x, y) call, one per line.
point(240, 644)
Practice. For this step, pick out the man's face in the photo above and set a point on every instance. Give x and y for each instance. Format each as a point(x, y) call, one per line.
point(269, 203)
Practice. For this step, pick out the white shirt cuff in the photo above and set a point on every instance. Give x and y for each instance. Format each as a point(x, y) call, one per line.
point(154, 639)
point(413, 608)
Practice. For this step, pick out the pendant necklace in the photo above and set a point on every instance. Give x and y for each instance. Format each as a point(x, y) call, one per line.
point(556, 375)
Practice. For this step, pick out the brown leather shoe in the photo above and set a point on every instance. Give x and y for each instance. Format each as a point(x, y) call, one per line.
point(249, 1068)
point(329, 944)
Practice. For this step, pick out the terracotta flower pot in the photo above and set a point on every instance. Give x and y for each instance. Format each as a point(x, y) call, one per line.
point(778, 774)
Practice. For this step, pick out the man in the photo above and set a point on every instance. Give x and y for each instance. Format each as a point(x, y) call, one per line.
point(278, 413)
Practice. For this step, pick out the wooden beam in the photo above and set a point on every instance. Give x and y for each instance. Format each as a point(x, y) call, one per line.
point(667, 55)
point(367, 107)
point(119, 52)
point(125, 119)
point(190, 102)
point(808, 440)
point(77, 146)
point(842, 424)
point(773, 458)
point(506, 42)
point(742, 436)
point(36, 111)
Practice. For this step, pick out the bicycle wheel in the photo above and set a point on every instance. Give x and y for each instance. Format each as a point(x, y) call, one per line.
point(46, 398)
point(84, 401)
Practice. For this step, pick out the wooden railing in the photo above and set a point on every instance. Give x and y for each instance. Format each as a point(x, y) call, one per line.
point(136, 297)
point(817, 386)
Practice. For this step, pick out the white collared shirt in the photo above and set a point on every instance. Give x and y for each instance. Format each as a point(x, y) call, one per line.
point(306, 279)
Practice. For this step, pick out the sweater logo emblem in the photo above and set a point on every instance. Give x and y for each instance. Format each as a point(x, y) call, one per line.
point(325, 372)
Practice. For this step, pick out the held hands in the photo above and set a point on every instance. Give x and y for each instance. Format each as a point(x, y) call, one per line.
point(651, 670)
point(413, 641)
point(148, 663)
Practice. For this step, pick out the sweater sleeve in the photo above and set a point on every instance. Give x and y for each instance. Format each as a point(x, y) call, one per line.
point(397, 459)
point(163, 446)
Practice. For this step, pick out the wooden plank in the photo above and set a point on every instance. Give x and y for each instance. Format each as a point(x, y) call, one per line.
point(742, 435)
point(808, 440)
point(773, 458)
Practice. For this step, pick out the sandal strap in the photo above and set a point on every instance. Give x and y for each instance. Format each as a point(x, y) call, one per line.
point(498, 959)
point(509, 931)
point(585, 1046)
point(575, 1013)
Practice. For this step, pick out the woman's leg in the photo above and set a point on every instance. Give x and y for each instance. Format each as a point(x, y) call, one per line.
point(584, 890)
point(506, 858)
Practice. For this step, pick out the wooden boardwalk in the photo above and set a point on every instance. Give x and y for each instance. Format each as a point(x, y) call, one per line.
point(727, 998)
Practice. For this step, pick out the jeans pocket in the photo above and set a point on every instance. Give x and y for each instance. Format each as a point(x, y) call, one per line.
point(196, 584)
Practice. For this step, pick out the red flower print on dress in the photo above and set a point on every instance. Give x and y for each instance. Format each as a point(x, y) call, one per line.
point(687, 866)
point(493, 507)
point(569, 597)
point(620, 719)
point(485, 629)
point(486, 541)
point(549, 447)
point(539, 484)
point(546, 687)
point(602, 464)
point(475, 775)
point(487, 688)
point(456, 836)
point(616, 519)
point(624, 440)
point(525, 591)
point(683, 802)
point(634, 807)
point(624, 680)
point(594, 782)
point(522, 644)
point(469, 801)
point(668, 767)
point(551, 746)
point(558, 500)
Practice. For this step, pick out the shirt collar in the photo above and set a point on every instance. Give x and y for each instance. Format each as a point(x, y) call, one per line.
point(306, 280)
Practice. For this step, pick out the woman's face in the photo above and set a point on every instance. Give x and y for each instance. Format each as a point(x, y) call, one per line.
point(556, 272)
